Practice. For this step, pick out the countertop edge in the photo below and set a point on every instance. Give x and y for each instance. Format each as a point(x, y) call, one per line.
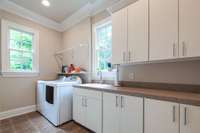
point(138, 94)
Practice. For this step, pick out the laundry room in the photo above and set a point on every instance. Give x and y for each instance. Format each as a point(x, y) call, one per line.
point(99, 66)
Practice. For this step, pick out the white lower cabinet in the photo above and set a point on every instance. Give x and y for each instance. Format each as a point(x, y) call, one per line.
point(131, 119)
point(79, 110)
point(161, 116)
point(87, 109)
point(94, 115)
point(110, 113)
point(189, 119)
point(122, 114)
point(104, 112)
point(168, 117)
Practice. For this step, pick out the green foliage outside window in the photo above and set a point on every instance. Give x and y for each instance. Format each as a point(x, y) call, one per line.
point(103, 47)
point(21, 56)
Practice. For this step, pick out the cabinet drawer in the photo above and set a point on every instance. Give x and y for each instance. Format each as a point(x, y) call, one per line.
point(88, 93)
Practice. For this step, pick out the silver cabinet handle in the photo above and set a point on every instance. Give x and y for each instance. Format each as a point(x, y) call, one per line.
point(116, 104)
point(122, 102)
point(174, 113)
point(124, 56)
point(86, 102)
point(82, 99)
point(183, 49)
point(174, 50)
point(185, 116)
point(129, 56)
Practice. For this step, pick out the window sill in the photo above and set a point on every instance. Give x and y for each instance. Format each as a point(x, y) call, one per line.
point(19, 74)
point(104, 78)
point(109, 76)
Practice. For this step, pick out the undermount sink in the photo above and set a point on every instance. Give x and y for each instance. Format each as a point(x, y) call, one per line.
point(99, 84)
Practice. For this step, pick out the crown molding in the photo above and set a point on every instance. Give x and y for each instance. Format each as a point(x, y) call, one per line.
point(101, 5)
point(119, 5)
point(90, 9)
point(25, 13)
point(77, 17)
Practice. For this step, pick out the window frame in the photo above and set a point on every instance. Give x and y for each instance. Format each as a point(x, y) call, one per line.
point(5, 49)
point(107, 75)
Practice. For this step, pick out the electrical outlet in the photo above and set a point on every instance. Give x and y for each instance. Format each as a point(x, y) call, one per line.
point(131, 76)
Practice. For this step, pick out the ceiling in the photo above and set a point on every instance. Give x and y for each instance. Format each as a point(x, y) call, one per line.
point(62, 14)
point(59, 9)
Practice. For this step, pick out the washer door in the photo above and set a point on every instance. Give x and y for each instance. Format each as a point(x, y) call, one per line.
point(50, 94)
point(52, 104)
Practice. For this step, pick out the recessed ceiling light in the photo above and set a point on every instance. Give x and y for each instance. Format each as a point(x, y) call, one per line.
point(46, 3)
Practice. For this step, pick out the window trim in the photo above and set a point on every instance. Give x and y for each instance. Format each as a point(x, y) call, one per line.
point(107, 75)
point(5, 70)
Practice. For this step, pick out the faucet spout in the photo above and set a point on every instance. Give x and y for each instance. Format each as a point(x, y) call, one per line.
point(100, 77)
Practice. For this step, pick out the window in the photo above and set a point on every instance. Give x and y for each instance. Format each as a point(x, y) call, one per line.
point(19, 50)
point(102, 48)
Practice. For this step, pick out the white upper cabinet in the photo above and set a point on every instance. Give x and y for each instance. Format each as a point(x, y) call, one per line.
point(130, 33)
point(189, 119)
point(119, 36)
point(189, 28)
point(161, 117)
point(163, 29)
point(138, 31)
point(156, 30)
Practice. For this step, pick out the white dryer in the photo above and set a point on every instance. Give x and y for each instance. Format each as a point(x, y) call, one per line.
point(54, 99)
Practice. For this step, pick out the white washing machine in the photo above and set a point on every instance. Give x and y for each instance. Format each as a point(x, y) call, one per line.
point(54, 99)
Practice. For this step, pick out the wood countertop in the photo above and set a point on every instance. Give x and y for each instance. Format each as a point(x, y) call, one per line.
point(166, 95)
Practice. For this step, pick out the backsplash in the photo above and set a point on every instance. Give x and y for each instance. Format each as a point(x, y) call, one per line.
point(185, 72)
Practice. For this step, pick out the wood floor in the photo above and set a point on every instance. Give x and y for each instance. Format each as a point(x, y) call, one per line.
point(35, 123)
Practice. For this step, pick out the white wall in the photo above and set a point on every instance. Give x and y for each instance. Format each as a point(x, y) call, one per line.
point(20, 92)
point(78, 35)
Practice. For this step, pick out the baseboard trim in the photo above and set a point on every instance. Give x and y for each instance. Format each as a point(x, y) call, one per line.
point(17, 112)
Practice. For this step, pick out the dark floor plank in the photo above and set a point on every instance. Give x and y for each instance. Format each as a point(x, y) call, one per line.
point(35, 123)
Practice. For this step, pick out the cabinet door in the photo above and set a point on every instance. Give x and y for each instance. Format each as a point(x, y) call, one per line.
point(189, 28)
point(119, 36)
point(94, 115)
point(163, 29)
point(161, 117)
point(75, 107)
point(111, 113)
point(131, 117)
point(189, 119)
point(138, 31)
point(82, 110)
point(79, 109)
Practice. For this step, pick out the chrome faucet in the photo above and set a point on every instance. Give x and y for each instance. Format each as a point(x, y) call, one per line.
point(100, 76)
